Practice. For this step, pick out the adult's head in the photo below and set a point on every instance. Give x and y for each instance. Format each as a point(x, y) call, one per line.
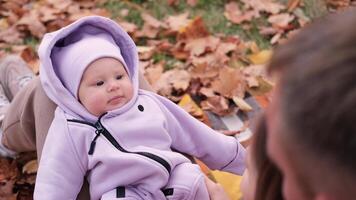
point(312, 119)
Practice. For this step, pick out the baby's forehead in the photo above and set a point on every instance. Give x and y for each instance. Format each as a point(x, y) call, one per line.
point(105, 64)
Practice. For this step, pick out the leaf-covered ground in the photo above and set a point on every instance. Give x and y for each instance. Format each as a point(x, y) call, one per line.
point(212, 50)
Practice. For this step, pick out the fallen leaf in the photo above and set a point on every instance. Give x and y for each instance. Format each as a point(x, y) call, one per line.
point(60, 4)
point(293, 4)
point(280, 20)
point(235, 15)
point(192, 2)
point(242, 104)
point(147, 31)
point(172, 79)
point(264, 6)
point(195, 29)
point(30, 167)
point(217, 104)
point(128, 27)
point(261, 57)
point(190, 106)
point(201, 45)
point(151, 21)
point(154, 72)
point(145, 52)
point(11, 36)
point(229, 83)
point(32, 22)
point(178, 22)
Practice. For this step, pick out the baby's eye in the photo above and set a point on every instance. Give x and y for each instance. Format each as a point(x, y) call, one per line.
point(118, 77)
point(99, 83)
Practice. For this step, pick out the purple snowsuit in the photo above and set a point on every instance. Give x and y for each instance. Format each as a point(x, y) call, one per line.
point(128, 152)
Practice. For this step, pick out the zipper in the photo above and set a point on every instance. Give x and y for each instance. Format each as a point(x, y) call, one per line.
point(100, 129)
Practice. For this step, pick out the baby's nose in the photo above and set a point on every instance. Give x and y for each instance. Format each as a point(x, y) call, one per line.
point(113, 86)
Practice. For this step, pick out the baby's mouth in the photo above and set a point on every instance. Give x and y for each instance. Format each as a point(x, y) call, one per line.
point(115, 100)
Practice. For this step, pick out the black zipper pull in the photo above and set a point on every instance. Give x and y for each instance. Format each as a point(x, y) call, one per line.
point(98, 131)
point(93, 143)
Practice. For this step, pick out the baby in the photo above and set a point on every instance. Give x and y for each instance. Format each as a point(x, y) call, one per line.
point(123, 139)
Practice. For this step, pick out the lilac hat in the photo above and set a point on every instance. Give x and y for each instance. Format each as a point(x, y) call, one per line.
point(70, 61)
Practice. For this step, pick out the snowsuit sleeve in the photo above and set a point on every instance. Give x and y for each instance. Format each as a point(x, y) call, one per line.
point(61, 171)
point(197, 139)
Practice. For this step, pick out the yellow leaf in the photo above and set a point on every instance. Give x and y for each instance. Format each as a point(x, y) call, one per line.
point(261, 57)
point(30, 167)
point(242, 104)
point(190, 106)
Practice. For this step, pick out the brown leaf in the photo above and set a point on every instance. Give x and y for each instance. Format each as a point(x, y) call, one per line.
point(293, 4)
point(153, 73)
point(192, 2)
point(11, 36)
point(209, 58)
point(147, 31)
point(201, 45)
point(172, 79)
point(230, 83)
point(178, 22)
point(217, 104)
point(145, 52)
point(195, 29)
point(32, 22)
point(281, 20)
point(48, 13)
point(128, 27)
point(151, 21)
point(203, 71)
point(207, 91)
point(235, 15)
point(268, 6)
point(60, 4)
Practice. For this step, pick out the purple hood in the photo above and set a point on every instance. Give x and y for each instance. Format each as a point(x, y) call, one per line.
point(51, 82)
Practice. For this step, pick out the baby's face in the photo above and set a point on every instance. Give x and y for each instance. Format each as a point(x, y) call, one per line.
point(105, 86)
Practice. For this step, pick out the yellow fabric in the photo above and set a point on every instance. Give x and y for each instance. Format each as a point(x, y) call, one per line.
point(230, 183)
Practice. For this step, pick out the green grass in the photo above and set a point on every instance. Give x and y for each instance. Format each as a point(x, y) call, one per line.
point(210, 10)
point(32, 42)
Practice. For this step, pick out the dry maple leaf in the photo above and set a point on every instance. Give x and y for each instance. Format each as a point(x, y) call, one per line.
point(147, 31)
point(178, 22)
point(172, 79)
point(192, 2)
point(128, 27)
point(203, 71)
point(60, 4)
point(150, 20)
point(281, 20)
point(268, 6)
point(217, 104)
point(32, 22)
point(235, 15)
point(195, 29)
point(11, 36)
point(154, 72)
point(145, 52)
point(48, 13)
point(199, 46)
point(230, 83)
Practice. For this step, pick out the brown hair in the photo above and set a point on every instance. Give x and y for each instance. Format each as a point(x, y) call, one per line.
point(317, 70)
point(269, 178)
